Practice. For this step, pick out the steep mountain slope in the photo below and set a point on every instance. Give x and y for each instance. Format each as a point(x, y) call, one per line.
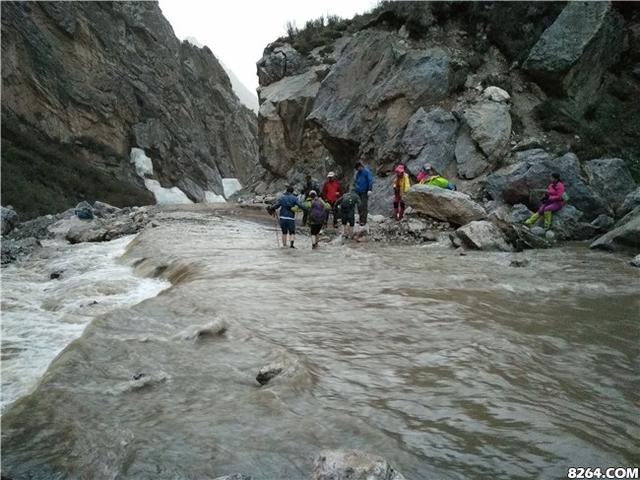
point(85, 82)
point(470, 87)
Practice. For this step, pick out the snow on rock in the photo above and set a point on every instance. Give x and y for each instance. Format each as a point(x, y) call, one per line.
point(210, 197)
point(166, 196)
point(230, 186)
point(144, 165)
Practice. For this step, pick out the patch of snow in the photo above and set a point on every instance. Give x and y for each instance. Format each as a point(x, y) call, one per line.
point(210, 197)
point(230, 186)
point(144, 165)
point(166, 196)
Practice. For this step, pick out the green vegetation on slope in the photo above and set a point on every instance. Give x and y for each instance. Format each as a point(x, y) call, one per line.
point(36, 185)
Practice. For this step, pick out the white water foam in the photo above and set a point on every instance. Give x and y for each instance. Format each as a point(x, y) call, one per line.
point(40, 316)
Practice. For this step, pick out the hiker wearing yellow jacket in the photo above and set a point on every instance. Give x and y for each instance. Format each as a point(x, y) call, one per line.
point(401, 185)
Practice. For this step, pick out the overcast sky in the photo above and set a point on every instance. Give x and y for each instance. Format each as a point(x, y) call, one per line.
point(237, 31)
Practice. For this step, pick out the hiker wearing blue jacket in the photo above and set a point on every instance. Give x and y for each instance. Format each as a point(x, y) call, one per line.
point(286, 203)
point(363, 184)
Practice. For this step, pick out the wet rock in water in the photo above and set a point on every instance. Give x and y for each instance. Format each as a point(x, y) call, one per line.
point(214, 328)
point(89, 232)
point(625, 234)
point(235, 476)
point(611, 178)
point(523, 237)
point(14, 249)
point(56, 274)
point(102, 209)
point(521, 262)
point(483, 235)
point(8, 219)
point(550, 236)
point(446, 205)
point(461, 251)
point(36, 228)
point(269, 372)
point(352, 465)
point(631, 201)
point(635, 261)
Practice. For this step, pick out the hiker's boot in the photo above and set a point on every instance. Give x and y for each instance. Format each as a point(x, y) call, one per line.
point(547, 220)
point(532, 219)
point(401, 214)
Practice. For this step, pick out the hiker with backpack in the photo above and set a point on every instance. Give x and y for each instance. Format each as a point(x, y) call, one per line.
point(287, 203)
point(347, 205)
point(553, 201)
point(317, 210)
point(401, 185)
point(363, 184)
point(331, 191)
point(309, 185)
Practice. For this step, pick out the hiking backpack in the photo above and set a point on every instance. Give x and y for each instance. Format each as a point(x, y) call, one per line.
point(317, 211)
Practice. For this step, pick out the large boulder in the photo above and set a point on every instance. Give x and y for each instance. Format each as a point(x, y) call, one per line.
point(572, 55)
point(625, 234)
point(526, 181)
point(279, 62)
point(430, 137)
point(377, 84)
point(611, 178)
point(490, 124)
point(482, 235)
point(381, 197)
point(631, 201)
point(469, 160)
point(352, 465)
point(446, 205)
point(8, 219)
point(284, 107)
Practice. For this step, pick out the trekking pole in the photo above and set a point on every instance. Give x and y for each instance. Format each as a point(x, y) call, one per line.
point(277, 219)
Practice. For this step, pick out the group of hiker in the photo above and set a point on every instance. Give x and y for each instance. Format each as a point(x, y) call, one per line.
point(317, 204)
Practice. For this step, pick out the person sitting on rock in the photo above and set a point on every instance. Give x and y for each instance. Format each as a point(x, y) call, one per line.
point(401, 185)
point(432, 178)
point(286, 203)
point(347, 205)
point(426, 171)
point(553, 201)
point(331, 191)
point(318, 210)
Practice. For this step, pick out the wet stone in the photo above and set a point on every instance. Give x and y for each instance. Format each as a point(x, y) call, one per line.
point(267, 373)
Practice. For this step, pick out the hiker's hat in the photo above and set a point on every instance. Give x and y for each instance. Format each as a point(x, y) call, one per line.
point(313, 193)
point(331, 174)
point(399, 169)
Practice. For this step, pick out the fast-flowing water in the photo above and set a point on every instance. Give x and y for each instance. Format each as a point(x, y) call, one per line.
point(451, 367)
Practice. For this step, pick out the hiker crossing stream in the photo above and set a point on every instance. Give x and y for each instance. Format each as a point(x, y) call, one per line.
point(450, 366)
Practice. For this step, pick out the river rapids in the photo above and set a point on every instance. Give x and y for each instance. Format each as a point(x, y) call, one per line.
point(451, 367)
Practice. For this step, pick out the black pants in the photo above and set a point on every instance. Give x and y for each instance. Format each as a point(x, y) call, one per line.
point(363, 208)
point(332, 212)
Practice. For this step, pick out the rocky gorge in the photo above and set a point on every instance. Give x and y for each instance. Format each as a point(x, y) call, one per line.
point(453, 85)
point(85, 83)
point(177, 341)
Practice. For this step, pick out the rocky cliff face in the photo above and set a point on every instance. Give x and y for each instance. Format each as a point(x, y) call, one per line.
point(470, 87)
point(85, 82)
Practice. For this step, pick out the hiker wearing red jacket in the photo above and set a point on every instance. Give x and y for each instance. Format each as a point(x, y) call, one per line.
point(331, 191)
